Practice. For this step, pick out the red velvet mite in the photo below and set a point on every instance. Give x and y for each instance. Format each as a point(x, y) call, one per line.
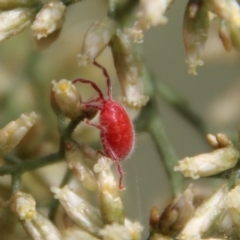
point(116, 128)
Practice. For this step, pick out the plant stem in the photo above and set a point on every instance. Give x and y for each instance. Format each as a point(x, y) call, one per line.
point(16, 180)
point(149, 120)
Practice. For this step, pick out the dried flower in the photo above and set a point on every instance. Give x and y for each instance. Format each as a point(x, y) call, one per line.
point(177, 214)
point(76, 162)
point(96, 40)
point(227, 9)
point(111, 206)
point(79, 210)
point(66, 97)
point(224, 34)
point(11, 4)
point(205, 215)
point(208, 164)
point(49, 19)
point(195, 32)
point(129, 70)
point(154, 219)
point(14, 131)
point(14, 21)
point(37, 226)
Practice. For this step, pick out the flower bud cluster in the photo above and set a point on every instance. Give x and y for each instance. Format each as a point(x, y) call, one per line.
point(127, 62)
point(110, 221)
point(14, 131)
point(16, 15)
point(208, 164)
point(37, 225)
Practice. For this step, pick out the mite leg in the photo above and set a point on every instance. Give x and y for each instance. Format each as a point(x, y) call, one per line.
point(121, 173)
point(93, 124)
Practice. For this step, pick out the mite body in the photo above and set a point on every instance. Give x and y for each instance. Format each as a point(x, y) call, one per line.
point(116, 128)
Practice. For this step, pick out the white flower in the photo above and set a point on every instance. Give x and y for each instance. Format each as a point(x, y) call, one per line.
point(37, 226)
point(96, 40)
point(79, 210)
point(49, 19)
point(67, 98)
point(14, 131)
point(205, 215)
point(208, 164)
point(14, 21)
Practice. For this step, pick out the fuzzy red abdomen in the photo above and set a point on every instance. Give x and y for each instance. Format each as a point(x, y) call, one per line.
point(117, 134)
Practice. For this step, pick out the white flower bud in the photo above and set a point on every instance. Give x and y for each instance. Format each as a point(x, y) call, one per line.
point(14, 21)
point(67, 98)
point(76, 162)
point(129, 70)
point(227, 9)
point(11, 4)
point(37, 226)
point(49, 19)
point(80, 211)
point(14, 131)
point(96, 40)
point(208, 164)
point(111, 206)
point(205, 215)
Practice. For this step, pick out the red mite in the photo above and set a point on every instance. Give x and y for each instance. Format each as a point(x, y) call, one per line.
point(116, 128)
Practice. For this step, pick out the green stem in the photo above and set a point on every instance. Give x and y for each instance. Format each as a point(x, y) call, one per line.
point(180, 104)
point(112, 8)
point(149, 120)
point(55, 202)
point(32, 164)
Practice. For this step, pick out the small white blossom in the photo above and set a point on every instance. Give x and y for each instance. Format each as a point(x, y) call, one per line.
point(49, 19)
point(205, 215)
point(96, 40)
point(14, 131)
point(208, 164)
point(134, 228)
point(37, 226)
point(67, 98)
point(80, 211)
point(14, 21)
point(111, 205)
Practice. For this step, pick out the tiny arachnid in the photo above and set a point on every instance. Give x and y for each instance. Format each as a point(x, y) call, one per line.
point(116, 128)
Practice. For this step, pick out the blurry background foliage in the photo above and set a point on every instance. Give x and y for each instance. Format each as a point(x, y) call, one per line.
point(26, 72)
